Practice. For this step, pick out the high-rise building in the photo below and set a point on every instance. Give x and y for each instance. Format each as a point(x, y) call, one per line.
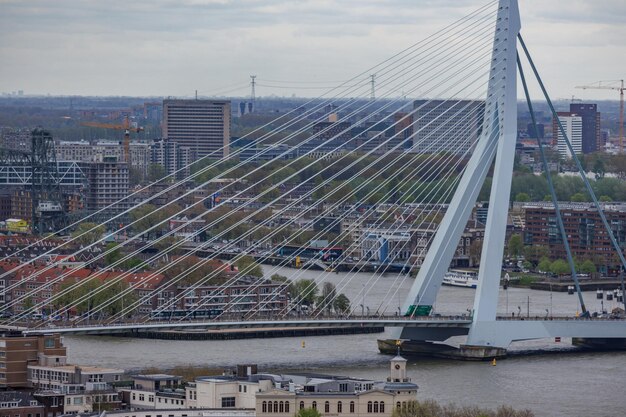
point(446, 126)
point(172, 157)
point(573, 126)
point(86, 152)
point(203, 126)
point(591, 137)
point(108, 183)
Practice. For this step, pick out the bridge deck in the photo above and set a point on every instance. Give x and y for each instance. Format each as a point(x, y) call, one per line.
point(503, 329)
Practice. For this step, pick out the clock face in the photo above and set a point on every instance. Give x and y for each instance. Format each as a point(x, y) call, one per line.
point(397, 366)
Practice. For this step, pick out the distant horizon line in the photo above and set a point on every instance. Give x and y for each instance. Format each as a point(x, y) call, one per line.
point(258, 98)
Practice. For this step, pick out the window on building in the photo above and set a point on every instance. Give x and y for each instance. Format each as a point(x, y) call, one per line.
point(228, 402)
point(264, 406)
point(376, 406)
point(286, 406)
point(49, 342)
point(134, 396)
point(339, 407)
point(352, 406)
point(327, 407)
point(370, 406)
point(314, 405)
point(398, 405)
point(142, 398)
point(382, 406)
point(281, 407)
point(276, 406)
point(301, 405)
point(343, 387)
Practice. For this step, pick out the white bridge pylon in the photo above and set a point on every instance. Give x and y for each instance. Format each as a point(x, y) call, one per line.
point(497, 141)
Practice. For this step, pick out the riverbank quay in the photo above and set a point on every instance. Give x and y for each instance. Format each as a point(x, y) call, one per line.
point(562, 286)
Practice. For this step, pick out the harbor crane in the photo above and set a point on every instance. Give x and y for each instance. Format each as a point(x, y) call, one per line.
point(126, 127)
point(612, 85)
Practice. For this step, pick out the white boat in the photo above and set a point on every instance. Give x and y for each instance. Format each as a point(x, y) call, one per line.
point(461, 278)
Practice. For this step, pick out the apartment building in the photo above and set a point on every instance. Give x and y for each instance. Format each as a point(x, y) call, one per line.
point(18, 350)
point(87, 152)
point(587, 235)
point(108, 181)
point(20, 404)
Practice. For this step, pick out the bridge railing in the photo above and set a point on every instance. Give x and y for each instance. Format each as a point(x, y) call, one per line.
point(353, 318)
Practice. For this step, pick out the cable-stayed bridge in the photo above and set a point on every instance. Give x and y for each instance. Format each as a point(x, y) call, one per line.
point(426, 161)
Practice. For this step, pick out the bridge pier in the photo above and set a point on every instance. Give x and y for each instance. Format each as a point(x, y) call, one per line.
point(440, 350)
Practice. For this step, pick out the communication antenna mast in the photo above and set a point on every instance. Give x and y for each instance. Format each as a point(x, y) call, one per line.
point(253, 85)
point(373, 82)
point(252, 93)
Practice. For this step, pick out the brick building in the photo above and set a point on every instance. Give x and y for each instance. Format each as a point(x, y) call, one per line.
point(20, 404)
point(588, 238)
point(18, 350)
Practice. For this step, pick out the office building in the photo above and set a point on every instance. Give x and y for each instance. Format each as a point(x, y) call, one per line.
point(591, 137)
point(573, 126)
point(451, 126)
point(200, 125)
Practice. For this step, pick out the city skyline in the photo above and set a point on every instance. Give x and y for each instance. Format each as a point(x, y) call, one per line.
point(174, 48)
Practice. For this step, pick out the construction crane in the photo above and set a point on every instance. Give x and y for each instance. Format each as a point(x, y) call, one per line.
point(126, 127)
point(611, 85)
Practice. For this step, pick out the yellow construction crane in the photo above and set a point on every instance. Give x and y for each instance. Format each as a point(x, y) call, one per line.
point(126, 127)
point(612, 85)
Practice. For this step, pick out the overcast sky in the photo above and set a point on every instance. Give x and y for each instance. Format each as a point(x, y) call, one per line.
point(173, 47)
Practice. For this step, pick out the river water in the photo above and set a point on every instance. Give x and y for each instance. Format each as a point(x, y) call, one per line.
point(559, 384)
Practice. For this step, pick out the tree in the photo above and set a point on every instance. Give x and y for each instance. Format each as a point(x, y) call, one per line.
point(148, 216)
point(522, 197)
point(155, 172)
point(430, 408)
point(475, 252)
point(308, 412)
point(87, 233)
point(325, 300)
point(578, 197)
point(588, 267)
point(304, 291)
point(279, 278)
point(248, 266)
point(113, 256)
point(598, 168)
point(544, 264)
point(534, 253)
point(135, 176)
point(341, 304)
point(515, 246)
point(559, 267)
